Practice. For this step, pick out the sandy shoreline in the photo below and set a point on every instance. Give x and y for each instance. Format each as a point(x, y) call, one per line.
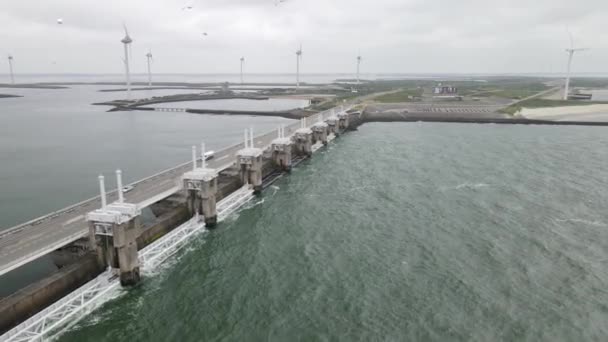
point(596, 112)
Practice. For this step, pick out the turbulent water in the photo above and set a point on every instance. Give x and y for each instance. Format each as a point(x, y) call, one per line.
point(398, 232)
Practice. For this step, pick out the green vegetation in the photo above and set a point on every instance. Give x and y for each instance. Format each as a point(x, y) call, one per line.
point(404, 95)
point(503, 87)
point(335, 101)
point(544, 103)
point(511, 89)
point(590, 82)
point(325, 105)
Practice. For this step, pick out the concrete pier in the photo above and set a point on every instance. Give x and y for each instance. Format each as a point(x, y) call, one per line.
point(201, 185)
point(333, 124)
point(344, 121)
point(319, 130)
point(303, 139)
point(281, 151)
point(113, 231)
point(249, 161)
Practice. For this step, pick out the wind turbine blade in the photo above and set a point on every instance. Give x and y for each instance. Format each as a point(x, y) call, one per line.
point(571, 38)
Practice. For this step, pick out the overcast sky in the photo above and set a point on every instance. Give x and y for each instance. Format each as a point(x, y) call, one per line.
point(407, 36)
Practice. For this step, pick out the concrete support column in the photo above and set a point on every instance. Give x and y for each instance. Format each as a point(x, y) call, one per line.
point(103, 244)
point(249, 160)
point(343, 121)
point(281, 151)
point(333, 125)
point(114, 230)
point(303, 141)
point(193, 202)
point(251, 171)
point(320, 132)
point(281, 155)
point(125, 243)
point(208, 208)
point(114, 235)
point(201, 184)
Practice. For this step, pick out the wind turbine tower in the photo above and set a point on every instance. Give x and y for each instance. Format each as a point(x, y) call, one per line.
point(10, 66)
point(126, 41)
point(242, 62)
point(571, 51)
point(358, 66)
point(298, 58)
point(149, 57)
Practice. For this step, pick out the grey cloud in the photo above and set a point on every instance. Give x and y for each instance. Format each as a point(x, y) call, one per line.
point(392, 35)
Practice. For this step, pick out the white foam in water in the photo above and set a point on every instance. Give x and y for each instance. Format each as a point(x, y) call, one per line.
point(466, 185)
point(254, 204)
point(171, 261)
point(471, 185)
point(587, 222)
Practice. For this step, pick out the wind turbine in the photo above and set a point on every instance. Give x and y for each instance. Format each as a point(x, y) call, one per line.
point(242, 62)
point(10, 66)
point(571, 51)
point(358, 65)
point(126, 42)
point(149, 57)
point(298, 58)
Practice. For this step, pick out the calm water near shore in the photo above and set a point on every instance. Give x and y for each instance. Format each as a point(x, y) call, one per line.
point(54, 143)
point(398, 232)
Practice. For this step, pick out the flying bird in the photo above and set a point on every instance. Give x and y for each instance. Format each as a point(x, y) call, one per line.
point(60, 21)
point(187, 8)
point(204, 33)
point(277, 2)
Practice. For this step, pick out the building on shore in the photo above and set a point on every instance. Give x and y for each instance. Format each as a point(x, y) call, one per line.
point(446, 92)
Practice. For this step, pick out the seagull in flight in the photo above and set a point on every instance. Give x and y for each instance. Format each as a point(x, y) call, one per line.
point(187, 8)
point(277, 2)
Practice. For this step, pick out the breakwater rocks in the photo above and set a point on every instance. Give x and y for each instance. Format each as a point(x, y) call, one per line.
point(132, 104)
point(32, 86)
point(480, 118)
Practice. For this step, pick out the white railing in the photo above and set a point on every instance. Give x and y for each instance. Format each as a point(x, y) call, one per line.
point(62, 313)
point(151, 256)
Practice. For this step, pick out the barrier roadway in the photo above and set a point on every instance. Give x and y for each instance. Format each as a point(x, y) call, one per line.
point(36, 238)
